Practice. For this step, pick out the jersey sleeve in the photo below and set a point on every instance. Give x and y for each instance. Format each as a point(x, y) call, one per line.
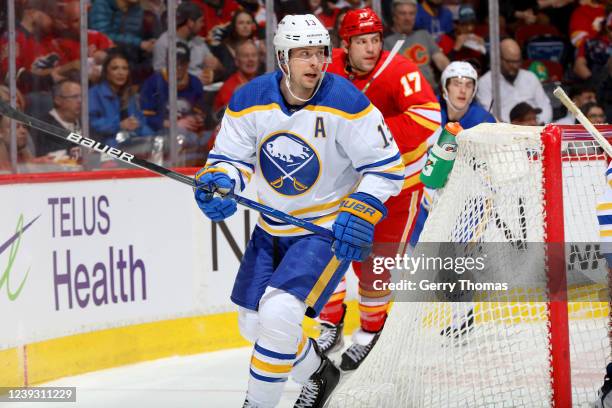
point(604, 217)
point(235, 146)
point(417, 116)
point(373, 153)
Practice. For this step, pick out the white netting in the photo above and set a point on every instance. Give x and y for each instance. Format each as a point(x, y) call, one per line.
point(496, 194)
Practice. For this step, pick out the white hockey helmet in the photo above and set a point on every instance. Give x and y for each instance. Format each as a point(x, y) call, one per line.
point(458, 69)
point(301, 30)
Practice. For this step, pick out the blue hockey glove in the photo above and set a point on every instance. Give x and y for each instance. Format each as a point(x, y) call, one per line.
point(354, 226)
point(215, 180)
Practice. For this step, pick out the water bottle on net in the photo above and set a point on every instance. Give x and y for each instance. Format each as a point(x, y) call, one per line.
point(441, 157)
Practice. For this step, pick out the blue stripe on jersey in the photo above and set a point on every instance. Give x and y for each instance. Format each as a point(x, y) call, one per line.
point(608, 171)
point(267, 379)
point(378, 163)
point(605, 219)
point(273, 354)
point(303, 355)
point(335, 92)
point(385, 175)
point(225, 158)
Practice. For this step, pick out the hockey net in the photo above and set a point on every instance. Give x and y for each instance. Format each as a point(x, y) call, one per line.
point(507, 186)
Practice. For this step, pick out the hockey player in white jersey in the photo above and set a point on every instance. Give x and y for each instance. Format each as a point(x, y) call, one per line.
point(604, 217)
point(317, 149)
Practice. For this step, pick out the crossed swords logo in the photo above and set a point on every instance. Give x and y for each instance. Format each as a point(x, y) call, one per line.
point(278, 183)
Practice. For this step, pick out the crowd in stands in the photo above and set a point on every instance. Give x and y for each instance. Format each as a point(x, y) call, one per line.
point(221, 46)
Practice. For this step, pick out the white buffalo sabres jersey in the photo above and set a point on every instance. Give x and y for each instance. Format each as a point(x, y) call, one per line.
point(604, 214)
point(306, 161)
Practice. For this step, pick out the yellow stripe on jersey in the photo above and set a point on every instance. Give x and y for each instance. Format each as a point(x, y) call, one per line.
point(604, 206)
point(415, 154)
point(295, 230)
point(411, 181)
point(270, 368)
point(605, 233)
point(426, 123)
point(373, 309)
point(209, 170)
point(316, 208)
point(373, 294)
point(435, 106)
point(338, 112)
point(301, 345)
point(322, 282)
point(338, 296)
point(255, 108)
point(397, 167)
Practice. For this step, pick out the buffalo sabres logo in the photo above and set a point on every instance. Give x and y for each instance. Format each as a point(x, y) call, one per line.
point(288, 163)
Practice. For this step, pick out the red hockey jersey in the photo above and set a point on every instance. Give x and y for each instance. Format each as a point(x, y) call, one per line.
point(407, 102)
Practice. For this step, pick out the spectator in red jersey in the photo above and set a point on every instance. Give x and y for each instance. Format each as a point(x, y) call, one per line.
point(586, 21)
point(241, 28)
point(216, 13)
point(593, 53)
point(68, 44)
point(324, 12)
point(36, 59)
point(247, 61)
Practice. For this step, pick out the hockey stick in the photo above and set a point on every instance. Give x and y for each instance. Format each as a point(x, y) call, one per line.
point(385, 64)
point(64, 134)
point(584, 121)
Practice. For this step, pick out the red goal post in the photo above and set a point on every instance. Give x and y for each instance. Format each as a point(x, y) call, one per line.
point(516, 353)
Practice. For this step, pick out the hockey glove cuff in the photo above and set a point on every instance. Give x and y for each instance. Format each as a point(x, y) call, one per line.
point(354, 226)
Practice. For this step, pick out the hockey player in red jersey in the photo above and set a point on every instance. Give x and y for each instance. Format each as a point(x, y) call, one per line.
point(412, 114)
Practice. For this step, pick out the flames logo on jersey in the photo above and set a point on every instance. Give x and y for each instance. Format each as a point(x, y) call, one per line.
point(289, 165)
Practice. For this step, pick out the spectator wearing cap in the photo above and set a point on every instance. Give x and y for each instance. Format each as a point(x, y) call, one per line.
point(516, 85)
point(419, 46)
point(154, 96)
point(37, 58)
point(434, 17)
point(593, 53)
point(122, 21)
point(247, 62)
point(524, 114)
point(594, 113)
point(468, 45)
point(189, 20)
point(580, 94)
